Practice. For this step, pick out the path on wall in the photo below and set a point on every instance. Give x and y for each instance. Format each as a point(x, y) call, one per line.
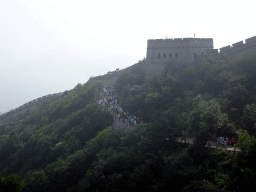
point(107, 98)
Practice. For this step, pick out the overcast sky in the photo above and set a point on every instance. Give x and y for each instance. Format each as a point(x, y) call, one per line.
point(49, 46)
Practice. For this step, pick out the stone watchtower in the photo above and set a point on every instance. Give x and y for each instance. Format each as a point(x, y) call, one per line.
point(184, 50)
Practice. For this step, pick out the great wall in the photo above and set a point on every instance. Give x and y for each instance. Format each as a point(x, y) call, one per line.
point(186, 50)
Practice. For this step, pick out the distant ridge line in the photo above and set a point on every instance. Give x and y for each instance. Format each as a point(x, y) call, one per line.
point(28, 105)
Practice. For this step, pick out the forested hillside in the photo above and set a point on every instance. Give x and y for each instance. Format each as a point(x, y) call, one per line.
point(69, 144)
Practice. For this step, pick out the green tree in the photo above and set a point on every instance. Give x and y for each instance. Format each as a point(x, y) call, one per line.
point(10, 183)
point(249, 116)
point(242, 175)
point(245, 141)
point(132, 77)
point(189, 77)
point(35, 180)
point(205, 119)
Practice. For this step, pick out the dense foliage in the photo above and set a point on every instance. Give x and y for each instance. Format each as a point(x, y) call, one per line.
point(69, 144)
point(10, 183)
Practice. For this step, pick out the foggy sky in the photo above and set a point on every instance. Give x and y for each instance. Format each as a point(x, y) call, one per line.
point(51, 46)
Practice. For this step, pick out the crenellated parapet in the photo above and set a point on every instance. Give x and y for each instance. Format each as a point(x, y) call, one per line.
point(234, 51)
point(180, 43)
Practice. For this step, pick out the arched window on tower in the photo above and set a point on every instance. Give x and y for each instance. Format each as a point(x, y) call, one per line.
point(170, 55)
point(158, 55)
point(164, 56)
point(194, 55)
point(176, 54)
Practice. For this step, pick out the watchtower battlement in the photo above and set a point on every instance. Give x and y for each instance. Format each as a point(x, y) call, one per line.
point(183, 49)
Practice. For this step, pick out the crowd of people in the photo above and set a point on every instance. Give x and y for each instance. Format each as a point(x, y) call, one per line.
point(225, 141)
point(108, 98)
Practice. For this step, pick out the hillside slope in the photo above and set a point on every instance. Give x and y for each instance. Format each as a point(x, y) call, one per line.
point(69, 144)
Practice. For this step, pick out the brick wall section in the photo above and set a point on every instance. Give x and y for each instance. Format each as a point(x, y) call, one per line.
point(236, 51)
point(238, 44)
point(109, 79)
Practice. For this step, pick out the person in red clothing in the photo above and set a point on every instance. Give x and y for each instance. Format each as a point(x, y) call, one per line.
point(232, 140)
